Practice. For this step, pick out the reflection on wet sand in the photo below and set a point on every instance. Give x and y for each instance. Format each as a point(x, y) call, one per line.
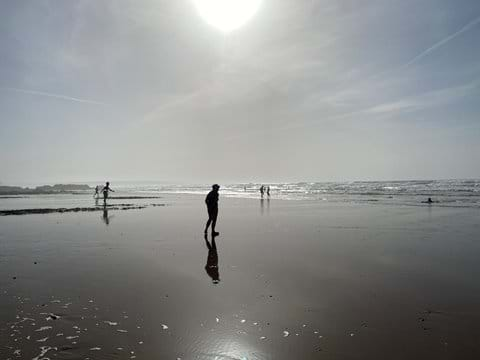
point(212, 260)
point(262, 206)
point(105, 217)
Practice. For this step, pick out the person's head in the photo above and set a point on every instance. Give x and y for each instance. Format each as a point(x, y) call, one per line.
point(215, 187)
point(108, 183)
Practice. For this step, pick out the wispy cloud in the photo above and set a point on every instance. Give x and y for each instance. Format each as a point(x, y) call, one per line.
point(240, 80)
point(423, 101)
point(52, 95)
point(410, 104)
point(170, 104)
point(441, 43)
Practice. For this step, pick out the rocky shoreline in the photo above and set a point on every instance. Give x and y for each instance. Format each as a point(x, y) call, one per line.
point(46, 189)
point(75, 209)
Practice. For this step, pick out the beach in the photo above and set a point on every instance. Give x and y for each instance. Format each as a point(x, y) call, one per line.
point(298, 279)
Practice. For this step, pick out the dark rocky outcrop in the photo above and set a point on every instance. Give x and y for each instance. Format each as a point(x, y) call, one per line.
point(63, 188)
point(75, 209)
point(45, 189)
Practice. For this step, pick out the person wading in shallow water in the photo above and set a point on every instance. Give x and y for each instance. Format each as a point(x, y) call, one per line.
point(212, 207)
point(97, 192)
point(105, 191)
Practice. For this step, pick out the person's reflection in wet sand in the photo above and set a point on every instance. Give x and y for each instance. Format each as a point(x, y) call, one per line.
point(262, 206)
point(96, 201)
point(105, 217)
point(268, 205)
point(212, 260)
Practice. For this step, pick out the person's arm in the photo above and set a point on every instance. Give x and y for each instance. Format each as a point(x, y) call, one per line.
point(208, 199)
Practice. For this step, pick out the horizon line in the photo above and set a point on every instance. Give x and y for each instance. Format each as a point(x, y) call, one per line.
point(167, 182)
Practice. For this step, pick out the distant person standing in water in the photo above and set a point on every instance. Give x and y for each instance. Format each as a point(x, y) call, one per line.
point(262, 190)
point(105, 191)
point(268, 191)
point(212, 207)
point(97, 192)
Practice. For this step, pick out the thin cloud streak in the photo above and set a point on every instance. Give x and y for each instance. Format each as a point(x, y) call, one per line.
point(425, 52)
point(442, 42)
point(56, 96)
point(430, 99)
point(418, 102)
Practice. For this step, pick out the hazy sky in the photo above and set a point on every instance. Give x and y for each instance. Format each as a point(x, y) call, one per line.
point(306, 90)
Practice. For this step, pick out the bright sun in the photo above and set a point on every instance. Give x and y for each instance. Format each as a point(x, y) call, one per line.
point(227, 15)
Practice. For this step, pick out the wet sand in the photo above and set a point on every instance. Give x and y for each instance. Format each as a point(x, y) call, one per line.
point(297, 280)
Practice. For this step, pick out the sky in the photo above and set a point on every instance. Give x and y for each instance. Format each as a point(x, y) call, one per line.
point(317, 90)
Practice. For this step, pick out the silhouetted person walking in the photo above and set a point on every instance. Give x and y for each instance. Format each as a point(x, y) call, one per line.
point(212, 260)
point(262, 190)
point(97, 192)
point(212, 207)
point(268, 191)
point(105, 191)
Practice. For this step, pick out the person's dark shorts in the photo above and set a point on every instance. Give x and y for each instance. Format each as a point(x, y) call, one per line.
point(212, 212)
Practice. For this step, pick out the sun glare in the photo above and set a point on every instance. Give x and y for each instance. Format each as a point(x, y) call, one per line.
point(227, 15)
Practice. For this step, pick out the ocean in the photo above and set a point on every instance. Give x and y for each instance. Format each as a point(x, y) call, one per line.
point(454, 193)
point(444, 193)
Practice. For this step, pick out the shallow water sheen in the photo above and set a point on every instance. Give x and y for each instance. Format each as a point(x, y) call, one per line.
point(299, 280)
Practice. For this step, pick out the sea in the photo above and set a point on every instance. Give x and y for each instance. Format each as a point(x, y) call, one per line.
point(444, 193)
point(456, 193)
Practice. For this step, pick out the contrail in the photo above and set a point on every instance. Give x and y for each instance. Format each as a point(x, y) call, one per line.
point(57, 96)
point(442, 42)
